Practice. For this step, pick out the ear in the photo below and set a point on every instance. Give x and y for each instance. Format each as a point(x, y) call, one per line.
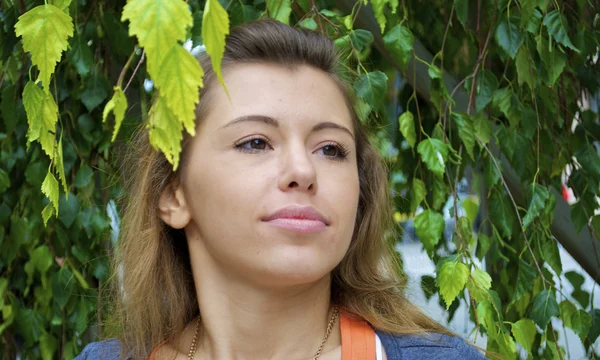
point(173, 207)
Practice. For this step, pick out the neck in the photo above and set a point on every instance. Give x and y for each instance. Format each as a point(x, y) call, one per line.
point(241, 320)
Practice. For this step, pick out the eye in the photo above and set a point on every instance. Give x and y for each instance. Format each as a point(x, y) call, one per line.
point(336, 152)
point(255, 144)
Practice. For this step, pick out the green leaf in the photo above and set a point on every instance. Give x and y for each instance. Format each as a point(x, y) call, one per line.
point(487, 84)
point(371, 87)
point(434, 153)
point(558, 27)
point(8, 110)
point(479, 284)
point(48, 346)
point(379, 11)
point(215, 27)
point(580, 220)
point(418, 194)
point(41, 259)
point(45, 30)
point(554, 59)
point(483, 128)
point(60, 166)
point(501, 213)
point(524, 332)
point(462, 11)
point(50, 189)
point(47, 213)
point(308, 23)
point(509, 36)
point(524, 69)
point(279, 10)
point(158, 25)
point(407, 128)
point(507, 345)
point(83, 176)
point(483, 245)
point(165, 131)
point(429, 226)
point(544, 308)
point(466, 131)
point(451, 279)
point(42, 115)
point(81, 56)
point(117, 105)
point(62, 4)
point(567, 309)
point(4, 181)
point(440, 192)
point(361, 39)
point(399, 41)
point(582, 297)
point(594, 331)
point(179, 81)
point(581, 323)
point(533, 22)
point(550, 253)
point(575, 278)
point(63, 286)
point(539, 195)
point(525, 277)
point(527, 10)
point(69, 208)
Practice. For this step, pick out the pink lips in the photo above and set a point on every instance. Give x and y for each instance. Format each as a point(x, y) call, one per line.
point(302, 219)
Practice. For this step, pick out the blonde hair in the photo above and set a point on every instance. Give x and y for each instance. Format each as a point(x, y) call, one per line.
point(154, 295)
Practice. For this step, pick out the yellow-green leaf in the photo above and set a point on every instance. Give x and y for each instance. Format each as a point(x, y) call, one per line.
point(45, 30)
point(50, 189)
point(117, 105)
point(451, 279)
point(165, 131)
point(279, 10)
point(158, 25)
point(524, 332)
point(47, 213)
point(60, 166)
point(479, 284)
point(179, 82)
point(42, 115)
point(215, 26)
point(418, 194)
point(407, 128)
point(380, 13)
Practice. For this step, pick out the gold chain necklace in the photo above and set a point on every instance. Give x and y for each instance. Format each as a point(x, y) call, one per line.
point(334, 316)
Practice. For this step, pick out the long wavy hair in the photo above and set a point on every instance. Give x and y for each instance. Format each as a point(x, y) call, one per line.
point(153, 291)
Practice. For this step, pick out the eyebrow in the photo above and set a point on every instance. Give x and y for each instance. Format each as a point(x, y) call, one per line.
point(273, 122)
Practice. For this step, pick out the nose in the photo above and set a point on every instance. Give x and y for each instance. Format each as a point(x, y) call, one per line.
point(297, 170)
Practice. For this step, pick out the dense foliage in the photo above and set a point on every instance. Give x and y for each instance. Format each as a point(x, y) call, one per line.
point(75, 83)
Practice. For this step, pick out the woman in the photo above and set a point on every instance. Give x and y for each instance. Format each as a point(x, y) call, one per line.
point(269, 242)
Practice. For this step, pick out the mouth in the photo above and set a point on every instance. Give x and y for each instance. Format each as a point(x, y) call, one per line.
point(296, 218)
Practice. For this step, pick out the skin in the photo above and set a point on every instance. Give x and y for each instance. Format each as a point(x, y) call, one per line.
point(263, 291)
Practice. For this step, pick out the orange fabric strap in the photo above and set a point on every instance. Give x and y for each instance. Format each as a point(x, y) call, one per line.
point(358, 338)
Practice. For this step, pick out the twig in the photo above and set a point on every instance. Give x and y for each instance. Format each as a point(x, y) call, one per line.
point(135, 71)
point(127, 65)
point(512, 199)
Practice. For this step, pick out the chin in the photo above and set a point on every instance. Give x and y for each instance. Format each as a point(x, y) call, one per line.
point(287, 271)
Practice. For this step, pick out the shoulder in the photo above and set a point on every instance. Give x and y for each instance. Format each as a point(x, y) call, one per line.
point(427, 346)
point(102, 350)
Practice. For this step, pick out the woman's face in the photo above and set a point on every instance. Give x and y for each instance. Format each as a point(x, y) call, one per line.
point(270, 181)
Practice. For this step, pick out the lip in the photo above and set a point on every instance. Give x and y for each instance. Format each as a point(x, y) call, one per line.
point(298, 218)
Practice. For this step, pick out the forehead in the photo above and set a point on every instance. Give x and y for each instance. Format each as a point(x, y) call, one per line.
point(304, 93)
